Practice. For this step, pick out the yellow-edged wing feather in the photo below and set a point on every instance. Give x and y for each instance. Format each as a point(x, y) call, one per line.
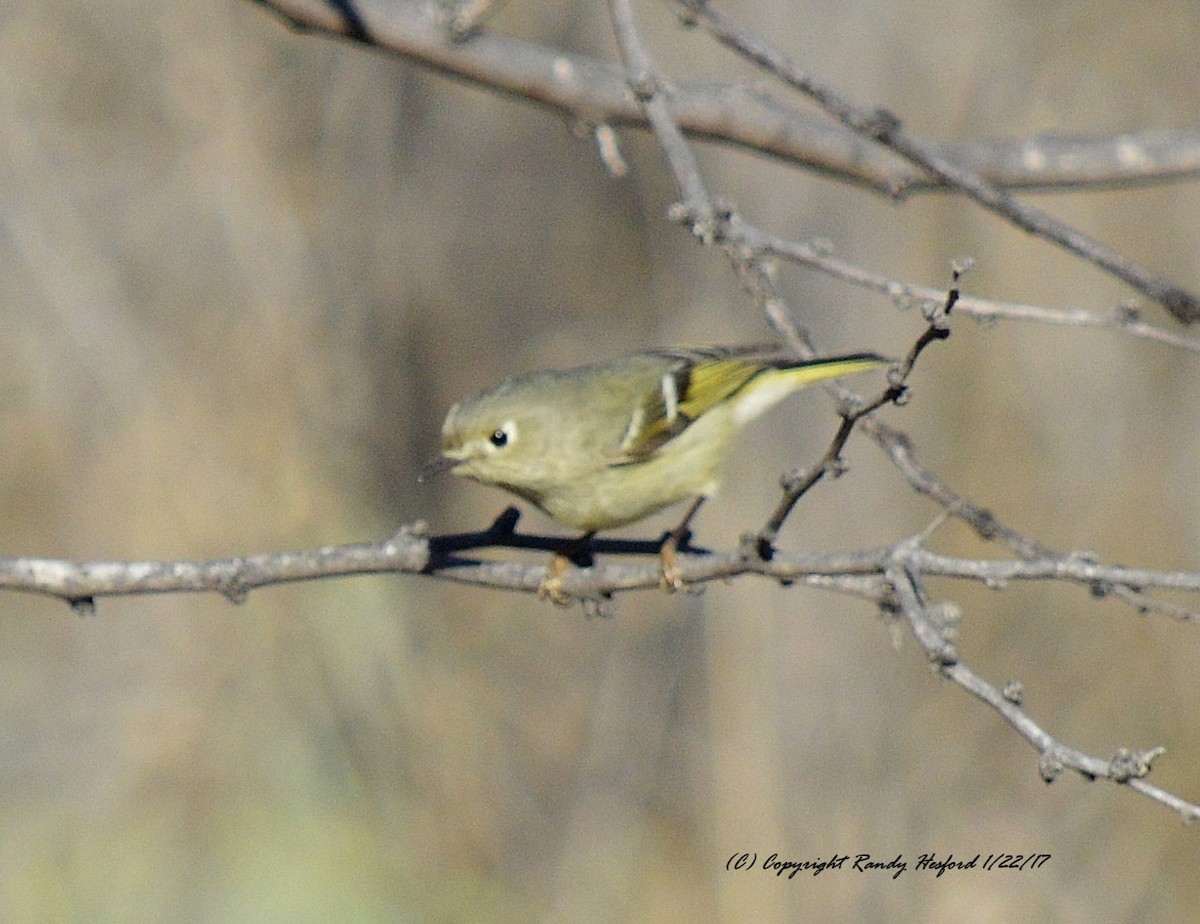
point(697, 380)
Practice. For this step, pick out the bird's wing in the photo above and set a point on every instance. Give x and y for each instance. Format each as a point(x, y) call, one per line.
point(692, 383)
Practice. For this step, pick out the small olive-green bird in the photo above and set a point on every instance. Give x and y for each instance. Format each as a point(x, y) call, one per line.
point(606, 444)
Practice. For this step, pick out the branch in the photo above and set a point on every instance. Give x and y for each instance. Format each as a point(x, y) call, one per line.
point(740, 114)
point(1124, 319)
point(696, 209)
point(885, 128)
point(798, 483)
point(889, 577)
point(413, 551)
point(899, 449)
point(930, 628)
point(79, 583)
point(895, 443)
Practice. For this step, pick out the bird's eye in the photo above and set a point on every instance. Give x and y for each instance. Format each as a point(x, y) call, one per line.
point(503, 435)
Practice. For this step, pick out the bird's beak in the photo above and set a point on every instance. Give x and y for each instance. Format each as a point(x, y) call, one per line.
point(435, 466)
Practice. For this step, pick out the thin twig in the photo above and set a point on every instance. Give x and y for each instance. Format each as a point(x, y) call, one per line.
point(410, 550)
point(1127, 767)
point(696, 208)
point(742, 114)
point(885, 128)
point(798, 483)
point(1125, 320)
point(896, 444)
point(464, 18)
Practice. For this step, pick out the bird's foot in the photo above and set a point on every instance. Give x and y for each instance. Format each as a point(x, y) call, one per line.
point(551, 587)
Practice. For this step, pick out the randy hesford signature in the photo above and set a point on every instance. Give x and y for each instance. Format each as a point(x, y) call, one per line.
point(866, 863)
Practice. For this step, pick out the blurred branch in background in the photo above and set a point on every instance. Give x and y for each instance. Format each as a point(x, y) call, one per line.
point(885, 127)
point(594, 93)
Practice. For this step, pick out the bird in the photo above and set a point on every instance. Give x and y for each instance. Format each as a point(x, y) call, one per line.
point(606, 444)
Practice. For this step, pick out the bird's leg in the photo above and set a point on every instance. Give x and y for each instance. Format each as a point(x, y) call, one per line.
point(576, 552)
point(670, 576)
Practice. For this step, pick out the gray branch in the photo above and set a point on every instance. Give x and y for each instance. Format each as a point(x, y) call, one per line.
point(412, 551)
point(891, 577)
point(885, 128)
point(741, 114)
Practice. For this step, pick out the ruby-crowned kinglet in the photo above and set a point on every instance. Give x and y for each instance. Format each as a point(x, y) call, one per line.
point(606, 444)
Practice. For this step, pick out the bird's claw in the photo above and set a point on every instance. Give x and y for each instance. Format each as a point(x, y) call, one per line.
point(551, 587)
point(670, 574)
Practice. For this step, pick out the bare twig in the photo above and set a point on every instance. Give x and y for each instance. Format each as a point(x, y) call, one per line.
point(1126, 767)
point(1124, 319)
point(885, 128)
point(463, 18)
point(696, 209)
point(895, 443)
point(900, 450)
point(853, 408)
point(413, 551)
point(741, 114)
point(890, 577)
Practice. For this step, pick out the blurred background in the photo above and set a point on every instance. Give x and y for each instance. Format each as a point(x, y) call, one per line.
point(243, 274)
